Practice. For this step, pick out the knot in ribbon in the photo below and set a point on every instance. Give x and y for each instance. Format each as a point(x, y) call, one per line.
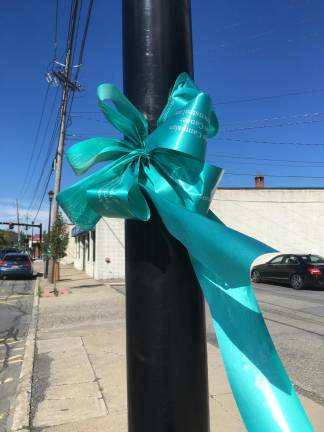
point(169, 161)
point(168, 166)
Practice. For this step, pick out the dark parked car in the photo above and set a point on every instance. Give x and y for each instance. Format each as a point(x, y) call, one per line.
point(16, 264)
point(298, 271)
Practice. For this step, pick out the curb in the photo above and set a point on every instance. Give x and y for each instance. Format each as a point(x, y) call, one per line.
point(20, 417)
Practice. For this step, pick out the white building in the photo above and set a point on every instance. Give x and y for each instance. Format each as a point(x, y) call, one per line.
point(290, 220)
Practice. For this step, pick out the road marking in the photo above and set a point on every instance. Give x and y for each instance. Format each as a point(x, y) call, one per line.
point(14, 357)
point(8, 380)
point(9, 339)
point(14, 361)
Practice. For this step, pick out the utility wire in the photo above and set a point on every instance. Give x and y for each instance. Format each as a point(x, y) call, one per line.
point(81, 52)
point(113, 233)
point(44, 192)
point(253, 141)
point(275, 175)
point(84, 38)
point(262, 98)
point(36, 137)
point(29, 174)
point(265, 159)
point(28, 179)
point(285, 117)
point(272, 125)
point(262, 164)
point(55, 29)
point(49, 149)
point(268, 201)
point(76, 34)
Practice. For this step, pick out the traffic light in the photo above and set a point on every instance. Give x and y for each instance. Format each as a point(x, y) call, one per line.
point(11, 225)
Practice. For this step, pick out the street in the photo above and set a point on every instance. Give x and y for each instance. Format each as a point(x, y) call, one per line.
point(16, 301)
point(295, 320)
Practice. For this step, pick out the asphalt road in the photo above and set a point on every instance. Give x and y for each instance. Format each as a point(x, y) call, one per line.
point(16, 302)
point(295, 320)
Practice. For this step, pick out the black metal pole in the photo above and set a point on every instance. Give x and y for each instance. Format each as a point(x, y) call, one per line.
point(165, 320)
point(40, 239)
point(33, 255)
point(50, 196)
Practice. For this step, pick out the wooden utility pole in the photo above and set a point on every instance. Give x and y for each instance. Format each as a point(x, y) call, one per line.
point(65, 97)
point(65, 79)
point(165, 319)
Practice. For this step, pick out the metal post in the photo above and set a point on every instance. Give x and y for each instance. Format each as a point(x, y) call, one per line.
point(40, 240)
point(165, 320)
point(17, 211)
point(50, 197)
point(32, 238)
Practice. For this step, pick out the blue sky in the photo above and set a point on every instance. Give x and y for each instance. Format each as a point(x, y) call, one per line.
point(261, 62)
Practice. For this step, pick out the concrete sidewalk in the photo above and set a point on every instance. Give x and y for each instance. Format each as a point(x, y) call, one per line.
point(79, 379)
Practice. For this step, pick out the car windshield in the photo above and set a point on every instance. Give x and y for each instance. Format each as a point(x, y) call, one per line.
point(16, 258)
point(313, 259)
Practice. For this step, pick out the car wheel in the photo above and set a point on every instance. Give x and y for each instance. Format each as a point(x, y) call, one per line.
point(255, 276)
point(296, 281)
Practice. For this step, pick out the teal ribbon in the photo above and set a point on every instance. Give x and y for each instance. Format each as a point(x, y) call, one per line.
point(169, 166)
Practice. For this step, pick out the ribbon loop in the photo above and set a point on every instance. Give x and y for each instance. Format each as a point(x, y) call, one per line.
point(127, 119)
point(85, 154)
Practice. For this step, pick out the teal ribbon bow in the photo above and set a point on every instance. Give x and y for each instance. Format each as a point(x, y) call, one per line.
point(169, 166)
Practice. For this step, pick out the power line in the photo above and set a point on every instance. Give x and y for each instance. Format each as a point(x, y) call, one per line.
point(113, 233)
point(34, 165)
point(79, 12)
point(275, 175)
point(36, 137)
point(268, 201)
point(84, 38)
point(265, 159)
point(47, 158)
point(88, 112)
point(261, 98)
point(272, 165)
point(252, 141)
point(81, 52)
point(285, 117)
point(272, 125)
point(45, 190)
point(55, 29)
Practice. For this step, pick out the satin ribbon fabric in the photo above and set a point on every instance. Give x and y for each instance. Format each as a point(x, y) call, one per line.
point(169, 166)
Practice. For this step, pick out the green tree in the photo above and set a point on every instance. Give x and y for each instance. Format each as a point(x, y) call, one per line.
point(57, 244)
point(7, 238)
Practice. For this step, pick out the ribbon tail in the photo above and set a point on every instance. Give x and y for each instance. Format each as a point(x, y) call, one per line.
point(221, 258)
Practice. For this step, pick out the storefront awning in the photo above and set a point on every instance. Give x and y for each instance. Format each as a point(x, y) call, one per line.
point(76, 231)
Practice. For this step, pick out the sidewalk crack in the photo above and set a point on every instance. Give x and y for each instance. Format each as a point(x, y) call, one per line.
point(95, 375)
